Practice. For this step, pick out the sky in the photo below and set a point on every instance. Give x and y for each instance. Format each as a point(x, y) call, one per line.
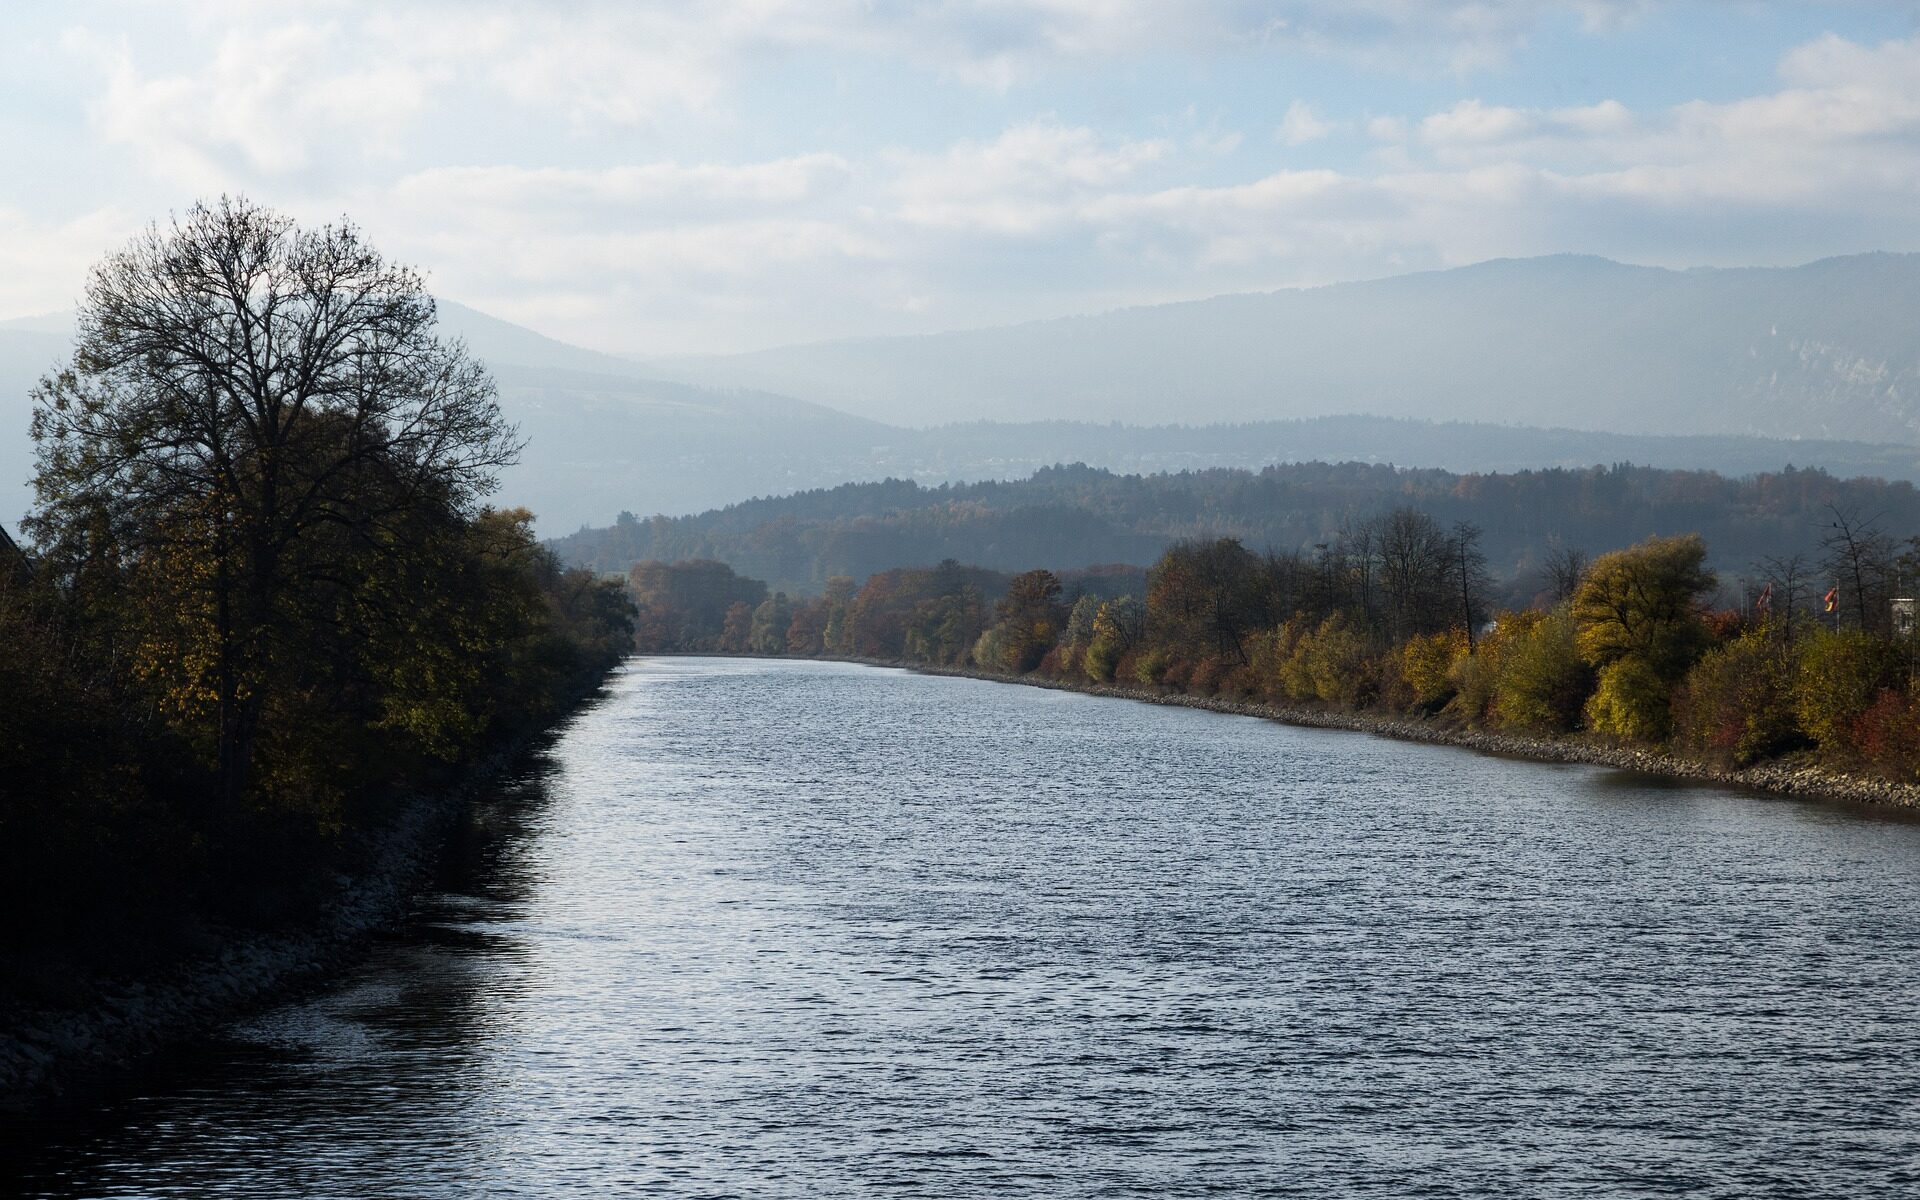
point(662, 178)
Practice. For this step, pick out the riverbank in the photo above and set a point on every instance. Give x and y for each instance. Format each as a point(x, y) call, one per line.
point(1781, 778)
point(47, 1054)
point(51, 1054)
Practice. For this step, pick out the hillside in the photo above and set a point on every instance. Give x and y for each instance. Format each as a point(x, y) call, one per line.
point(1072, 517)
point(1824, 350)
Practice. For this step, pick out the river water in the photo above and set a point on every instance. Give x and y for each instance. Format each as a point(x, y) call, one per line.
point(761, 928)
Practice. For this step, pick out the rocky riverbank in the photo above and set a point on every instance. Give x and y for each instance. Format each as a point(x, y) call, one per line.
point(48, 1053)
point(1782, 778)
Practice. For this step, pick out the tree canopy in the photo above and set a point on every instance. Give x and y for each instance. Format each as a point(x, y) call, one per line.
point(258, 423)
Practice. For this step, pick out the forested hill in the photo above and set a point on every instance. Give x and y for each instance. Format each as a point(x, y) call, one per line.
point(1075, 516)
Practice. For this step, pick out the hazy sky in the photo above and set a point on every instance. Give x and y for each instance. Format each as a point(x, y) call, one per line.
point(660, 177)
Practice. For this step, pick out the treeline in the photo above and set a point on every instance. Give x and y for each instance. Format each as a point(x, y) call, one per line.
point(931, 615)
point(1816, 658)
point(1078, 516)
point(260, 600)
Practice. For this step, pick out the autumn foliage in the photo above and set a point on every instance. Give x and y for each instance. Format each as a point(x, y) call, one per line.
point(1627, 647)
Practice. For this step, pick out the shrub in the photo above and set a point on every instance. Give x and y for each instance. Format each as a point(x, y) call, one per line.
point(1475, 677)
point(1272, 652)
point(1150, 666)
point(1840, 674)
point(1295, 680)
point(1426, 667)
point(1336, 661)
point(1887, 735)
point(1540, 681)
point(1209, 674)
point(1738, 701)
point(1631, 702)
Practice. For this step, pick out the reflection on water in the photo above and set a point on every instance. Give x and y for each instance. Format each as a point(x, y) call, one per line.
point(768, 928)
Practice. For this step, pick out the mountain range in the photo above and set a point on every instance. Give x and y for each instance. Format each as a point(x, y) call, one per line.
point(1511, 364)
point(1825, 350)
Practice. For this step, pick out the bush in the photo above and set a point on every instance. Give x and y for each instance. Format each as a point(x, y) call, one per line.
point(1150, 666)
point(1426, 667)
point(1887, 735)
point(1475, 677)
point(1738, 701)
point(1209, 674)
point(1540, 681)
point(1335, 658)
point(1631, 702)
point(1840, 674)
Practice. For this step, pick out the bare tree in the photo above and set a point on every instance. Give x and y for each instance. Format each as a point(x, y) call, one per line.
point(1415, 555)
point(1565, 566)
point(1858, 557)
point(1788, 576)
point(241, 384)
point(1360, 544)
point(1467, 564)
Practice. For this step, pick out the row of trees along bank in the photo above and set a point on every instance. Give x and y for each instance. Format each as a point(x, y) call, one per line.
point(1394, 618)
point(261, 598)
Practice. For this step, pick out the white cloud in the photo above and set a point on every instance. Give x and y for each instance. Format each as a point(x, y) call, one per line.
point(262, 103)
point(43, 263)
point(272, 82)
point(1029, 179)
point(634, 195)
point(1470, 121)
point(1301, 125)
point(651, 190)
point(1387, 129)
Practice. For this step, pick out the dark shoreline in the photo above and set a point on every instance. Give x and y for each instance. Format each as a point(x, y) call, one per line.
point(57, 1056)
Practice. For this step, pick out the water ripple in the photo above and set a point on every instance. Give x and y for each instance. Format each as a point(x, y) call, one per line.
point(786, 929)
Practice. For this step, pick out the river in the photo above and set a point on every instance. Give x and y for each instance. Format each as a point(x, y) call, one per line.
point(763, 928)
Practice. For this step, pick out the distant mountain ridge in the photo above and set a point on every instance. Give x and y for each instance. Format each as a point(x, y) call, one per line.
point(607, 434)
point(1824, 350)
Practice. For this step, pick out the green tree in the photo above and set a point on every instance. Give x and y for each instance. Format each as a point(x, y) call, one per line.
point(1079, 633)
point(688, 605)
point(771, 618)
point(839, 598)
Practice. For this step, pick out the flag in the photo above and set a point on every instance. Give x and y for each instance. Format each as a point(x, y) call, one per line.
point(1763, 603)
point(1832, 599)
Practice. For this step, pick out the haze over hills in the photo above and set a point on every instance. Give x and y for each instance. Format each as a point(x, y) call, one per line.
point(606, 435)
point(600, 436)
point(1825, 350)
